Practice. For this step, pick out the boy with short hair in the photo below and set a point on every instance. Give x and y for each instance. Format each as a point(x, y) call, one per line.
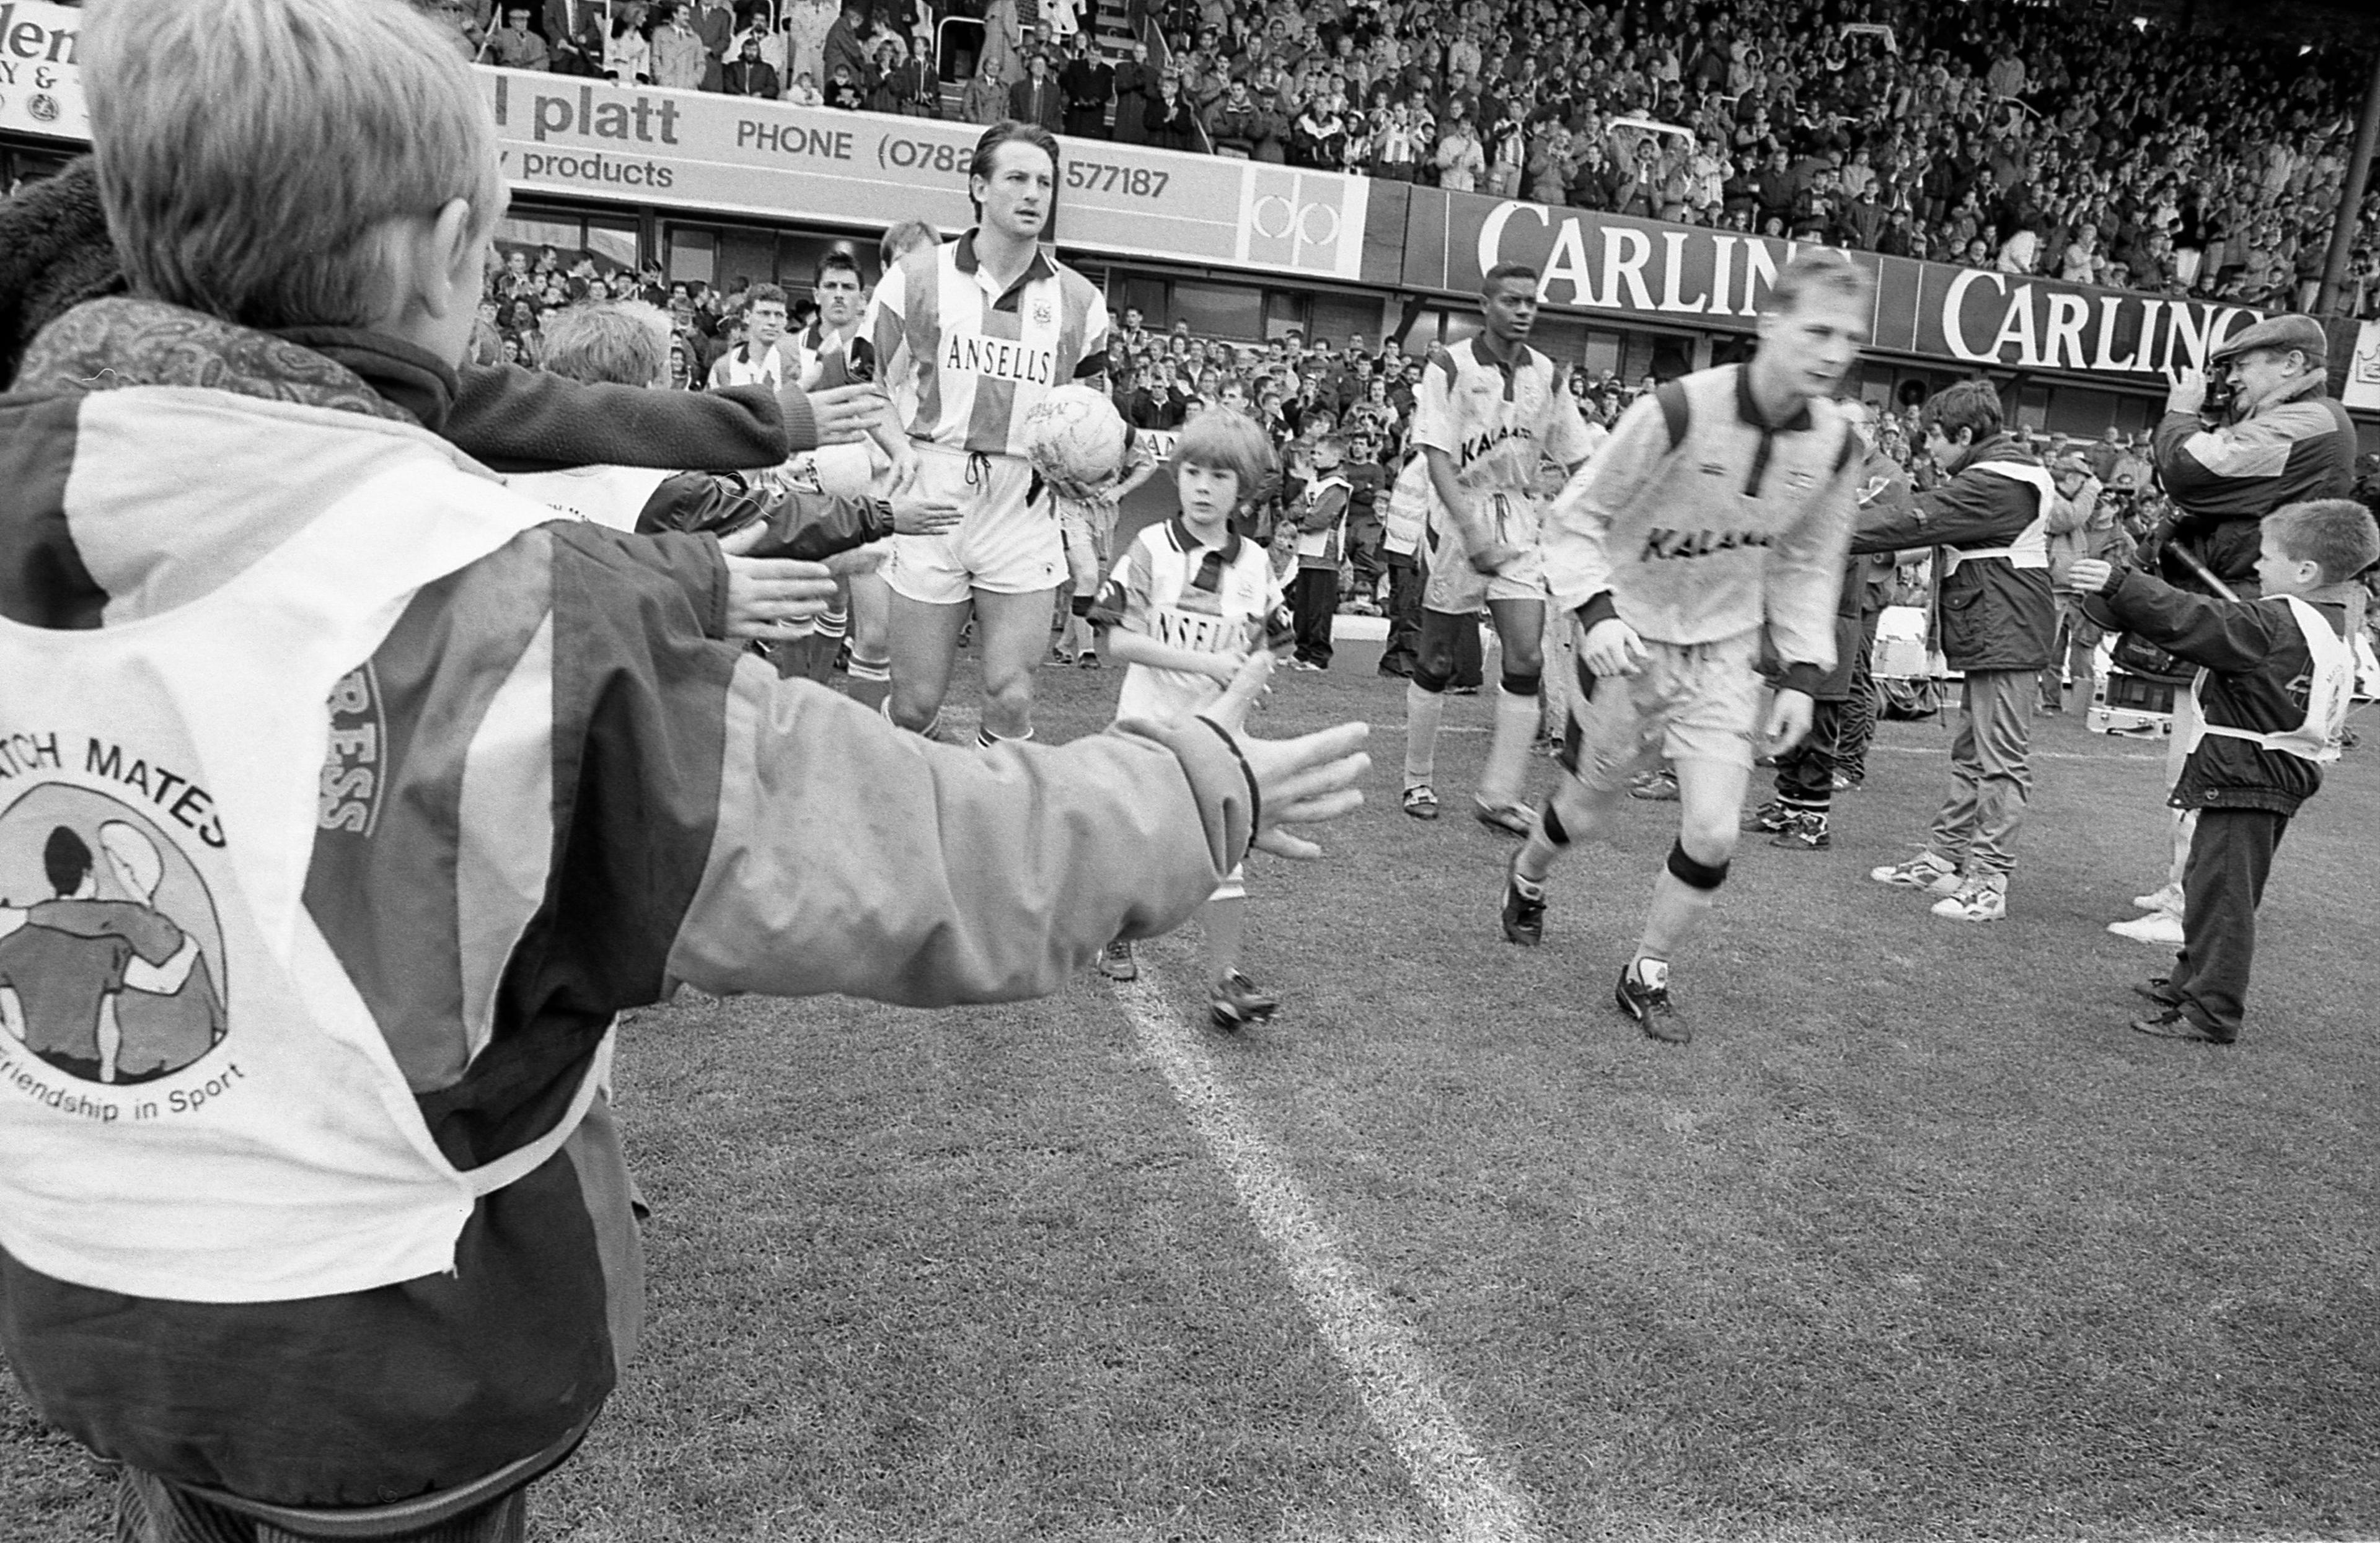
point(1185, 607)
point(2275, 680)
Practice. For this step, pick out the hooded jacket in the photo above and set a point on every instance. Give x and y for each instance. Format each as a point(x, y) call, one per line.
point(544, 796)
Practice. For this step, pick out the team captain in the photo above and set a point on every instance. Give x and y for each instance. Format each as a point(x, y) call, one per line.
point(975, 334)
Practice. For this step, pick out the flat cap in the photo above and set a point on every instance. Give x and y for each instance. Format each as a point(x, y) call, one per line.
point(2301, 333)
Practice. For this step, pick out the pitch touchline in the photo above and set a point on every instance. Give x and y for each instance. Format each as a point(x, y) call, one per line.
point(1382, 1356)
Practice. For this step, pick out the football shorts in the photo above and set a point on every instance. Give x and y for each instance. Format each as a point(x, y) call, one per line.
point(1690, 701)
point(1456, 588)
point(1006, 541)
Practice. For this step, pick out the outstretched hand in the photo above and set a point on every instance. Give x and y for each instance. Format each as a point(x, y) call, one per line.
point(1305, 781)
point(765, 594)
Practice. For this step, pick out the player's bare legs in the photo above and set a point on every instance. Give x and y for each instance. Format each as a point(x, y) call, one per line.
point(1520, 629)
point(1710, 794)
point(871, 638)
point(1580, 809)
point(1013, 632)
point(925, 640)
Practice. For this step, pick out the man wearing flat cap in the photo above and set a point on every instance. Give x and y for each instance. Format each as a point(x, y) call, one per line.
point(2283, 440)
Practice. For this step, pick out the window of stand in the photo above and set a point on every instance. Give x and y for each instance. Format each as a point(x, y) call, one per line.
point(611, 240)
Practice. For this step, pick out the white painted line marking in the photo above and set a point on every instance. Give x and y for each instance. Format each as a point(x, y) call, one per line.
point(1383, 1358)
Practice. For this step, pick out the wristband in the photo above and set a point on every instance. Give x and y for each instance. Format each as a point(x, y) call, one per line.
point(1256, 797)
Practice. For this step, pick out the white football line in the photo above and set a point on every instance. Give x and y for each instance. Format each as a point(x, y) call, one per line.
point(1382, 1357)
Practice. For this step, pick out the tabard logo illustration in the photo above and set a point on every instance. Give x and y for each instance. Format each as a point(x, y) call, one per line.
point(111, 952)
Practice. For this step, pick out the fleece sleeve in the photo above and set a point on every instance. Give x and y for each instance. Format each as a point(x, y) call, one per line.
point(850, 856)
point(515, 419)
point(1804, 581)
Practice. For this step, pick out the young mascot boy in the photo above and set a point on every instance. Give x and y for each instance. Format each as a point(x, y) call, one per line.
point(1721, 506)
point(436, 784)
point(2000, 617)
point(2275, 675)
point(1189, 604)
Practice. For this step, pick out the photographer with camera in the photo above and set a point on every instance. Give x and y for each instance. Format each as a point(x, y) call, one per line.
point(2261, 433)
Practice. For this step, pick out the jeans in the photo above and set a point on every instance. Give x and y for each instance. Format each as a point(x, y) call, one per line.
point(1978, 826)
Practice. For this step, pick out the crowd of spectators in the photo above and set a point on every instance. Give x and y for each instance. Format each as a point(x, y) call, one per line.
point(2066, 141)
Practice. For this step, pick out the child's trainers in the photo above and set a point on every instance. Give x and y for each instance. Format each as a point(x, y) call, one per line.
point(1925, 871)
point(1768, 820)
point(1978, 899)
point(1116, 960)
point(1804, 830)
point(1237, 1003)
point(1660, 787)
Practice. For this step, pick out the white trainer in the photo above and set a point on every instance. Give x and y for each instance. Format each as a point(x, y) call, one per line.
point(2160, 928)
point(1925, 871)
point(2165, 899)
point(1976, 900)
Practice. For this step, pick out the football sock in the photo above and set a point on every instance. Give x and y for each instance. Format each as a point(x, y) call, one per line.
point(1423, 710)
point(1678, 908)
point(1222, 922)
point(870, 680)
point(1508, 752)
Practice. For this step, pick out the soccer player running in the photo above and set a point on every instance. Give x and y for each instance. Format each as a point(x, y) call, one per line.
point(1722, 506)
point(1488, 410)
point(974, 333)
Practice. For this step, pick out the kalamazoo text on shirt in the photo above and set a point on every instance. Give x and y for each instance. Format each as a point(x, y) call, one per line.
point(1478, 445)
point(1661, 542)
point(974, 353)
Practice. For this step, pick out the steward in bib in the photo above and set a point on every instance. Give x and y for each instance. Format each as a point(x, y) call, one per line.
point(345, 797)
point(2275, 677)
point(1997, 620)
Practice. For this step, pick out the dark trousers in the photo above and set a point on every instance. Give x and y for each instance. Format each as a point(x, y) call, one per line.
point(1404, 613)
point(1805, 774)
point(1858, 721)
point(1313, 600)
point(150, 1510)
point(2221, 888)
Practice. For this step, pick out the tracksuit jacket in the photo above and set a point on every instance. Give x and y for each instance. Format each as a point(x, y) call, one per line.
point(578, 800)
point(1995, 614)
point(2227, 479)
point(2257, 665)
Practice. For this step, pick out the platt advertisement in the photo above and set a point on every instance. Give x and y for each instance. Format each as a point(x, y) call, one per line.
point(1599, 262)
point(730, 154)
point(40, 89)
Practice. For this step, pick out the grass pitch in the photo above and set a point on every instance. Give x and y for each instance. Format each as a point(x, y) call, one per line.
point(1914, 1241)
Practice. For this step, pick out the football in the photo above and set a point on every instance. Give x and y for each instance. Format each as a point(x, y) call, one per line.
point(1077, 441)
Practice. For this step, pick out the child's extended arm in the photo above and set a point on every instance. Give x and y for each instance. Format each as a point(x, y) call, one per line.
point(2225, 636)
point(1123, 645)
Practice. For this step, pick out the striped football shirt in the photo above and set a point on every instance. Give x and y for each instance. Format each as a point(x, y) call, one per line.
point(978, 358)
